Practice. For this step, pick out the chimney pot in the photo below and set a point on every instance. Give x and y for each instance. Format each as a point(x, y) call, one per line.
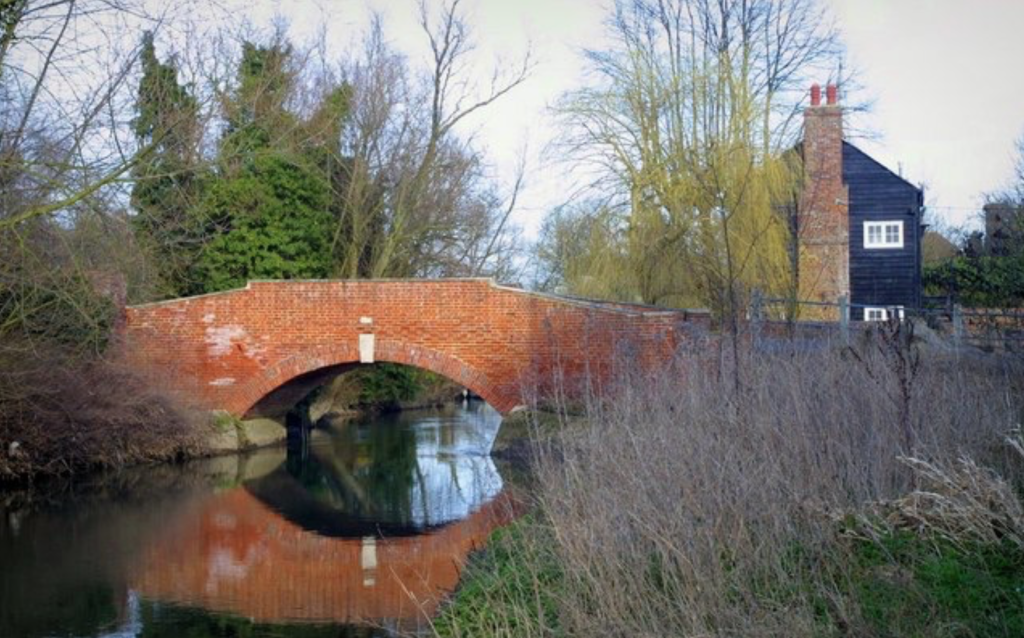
point(831, 94)
point(815, 94)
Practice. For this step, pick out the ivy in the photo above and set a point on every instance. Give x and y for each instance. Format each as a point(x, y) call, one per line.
point(274, 224)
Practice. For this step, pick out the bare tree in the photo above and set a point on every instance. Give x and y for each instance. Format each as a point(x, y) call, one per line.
point(63, 82)
point(418, 200)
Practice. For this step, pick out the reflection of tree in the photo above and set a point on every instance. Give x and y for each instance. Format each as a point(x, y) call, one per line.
point(393, 474)
point(387, 466)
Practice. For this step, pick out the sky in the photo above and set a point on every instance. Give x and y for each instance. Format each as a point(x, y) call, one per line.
point(944, 77)
point(947, 81)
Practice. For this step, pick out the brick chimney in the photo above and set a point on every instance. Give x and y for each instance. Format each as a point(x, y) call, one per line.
point(823, 222)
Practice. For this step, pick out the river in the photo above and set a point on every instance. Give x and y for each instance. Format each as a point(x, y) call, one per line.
point(359, 533)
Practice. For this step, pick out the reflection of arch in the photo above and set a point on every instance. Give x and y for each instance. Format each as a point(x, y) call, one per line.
point(233, 554)
point(292, 500)
point(314, 364)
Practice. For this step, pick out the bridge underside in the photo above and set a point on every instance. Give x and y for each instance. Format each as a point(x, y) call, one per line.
point(277, 403)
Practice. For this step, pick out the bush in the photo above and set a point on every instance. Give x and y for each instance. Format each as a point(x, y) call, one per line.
point(986, 281)
point(58, 416)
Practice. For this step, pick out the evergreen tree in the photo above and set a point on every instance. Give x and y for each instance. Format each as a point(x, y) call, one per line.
point(275, 221)
point(269, 210)
point(167, 180)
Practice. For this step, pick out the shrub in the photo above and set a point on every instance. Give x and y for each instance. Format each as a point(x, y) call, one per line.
point(59, 416)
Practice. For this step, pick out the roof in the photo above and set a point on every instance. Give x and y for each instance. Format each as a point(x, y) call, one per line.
point(847, 145)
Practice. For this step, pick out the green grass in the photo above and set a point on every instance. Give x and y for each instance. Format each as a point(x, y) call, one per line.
point(225, 421)
point(903, 586)
point(907, 586)
point(508, 589)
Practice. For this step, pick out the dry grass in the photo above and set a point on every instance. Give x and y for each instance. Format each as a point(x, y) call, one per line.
point(60, 415)
point(958, 502)
point(696, 510)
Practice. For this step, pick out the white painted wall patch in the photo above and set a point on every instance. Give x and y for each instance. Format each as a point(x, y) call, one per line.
point(220, 338)
point(368, 560)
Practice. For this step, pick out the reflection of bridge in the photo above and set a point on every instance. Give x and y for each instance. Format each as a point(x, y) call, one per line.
point(259, 349)
point(235, 555)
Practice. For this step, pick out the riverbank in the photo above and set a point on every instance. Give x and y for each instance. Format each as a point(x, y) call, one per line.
point(815, 501)
point(888, 583)
point(64, 419)
point(61, 420)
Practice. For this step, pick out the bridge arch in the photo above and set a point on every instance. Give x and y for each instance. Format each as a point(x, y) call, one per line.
point(229, 350)
point(315, 364)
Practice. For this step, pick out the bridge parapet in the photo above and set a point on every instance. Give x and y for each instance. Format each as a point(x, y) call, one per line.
point(231, 350)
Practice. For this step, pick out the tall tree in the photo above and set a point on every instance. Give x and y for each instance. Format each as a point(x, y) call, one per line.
point(167, 180)
point(64, 74)
point(685, 131)
point(417, 200)
point(268, 207)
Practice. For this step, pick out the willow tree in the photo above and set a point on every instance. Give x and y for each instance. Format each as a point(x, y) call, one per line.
point(685, 133)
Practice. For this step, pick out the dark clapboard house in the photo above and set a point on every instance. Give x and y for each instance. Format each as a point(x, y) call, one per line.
point(858, 223)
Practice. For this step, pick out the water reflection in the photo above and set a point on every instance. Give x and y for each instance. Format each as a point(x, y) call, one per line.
point(368, 525)
point(396, 475)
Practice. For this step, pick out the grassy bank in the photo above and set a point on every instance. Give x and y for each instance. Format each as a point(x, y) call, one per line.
point(897, 583)
point(868, 492)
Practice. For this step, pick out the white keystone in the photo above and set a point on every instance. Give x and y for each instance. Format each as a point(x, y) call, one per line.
point(366, 343)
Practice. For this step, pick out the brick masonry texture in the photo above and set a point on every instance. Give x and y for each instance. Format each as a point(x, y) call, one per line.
point(233, 350)
point(823, 231)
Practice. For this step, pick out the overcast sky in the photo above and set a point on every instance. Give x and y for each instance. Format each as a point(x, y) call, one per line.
point(946, 78)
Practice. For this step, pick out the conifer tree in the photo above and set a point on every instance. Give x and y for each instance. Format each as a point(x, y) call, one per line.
point(268, 210)
point(167, 179)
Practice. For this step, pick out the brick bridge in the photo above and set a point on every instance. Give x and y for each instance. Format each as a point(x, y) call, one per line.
point(260, 349)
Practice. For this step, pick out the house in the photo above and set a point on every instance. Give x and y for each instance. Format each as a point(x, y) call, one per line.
point(1004, 227)
point(858, 226)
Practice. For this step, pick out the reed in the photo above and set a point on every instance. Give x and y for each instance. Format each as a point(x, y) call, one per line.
point(690, 506)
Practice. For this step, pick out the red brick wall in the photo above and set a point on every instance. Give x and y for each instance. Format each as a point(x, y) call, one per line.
point(229, 350)
point(823, 230)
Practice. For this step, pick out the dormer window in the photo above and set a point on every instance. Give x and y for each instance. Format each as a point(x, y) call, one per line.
point(883, 234)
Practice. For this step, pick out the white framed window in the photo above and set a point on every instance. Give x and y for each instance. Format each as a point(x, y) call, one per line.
point(883, 313)
point(883, 234)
